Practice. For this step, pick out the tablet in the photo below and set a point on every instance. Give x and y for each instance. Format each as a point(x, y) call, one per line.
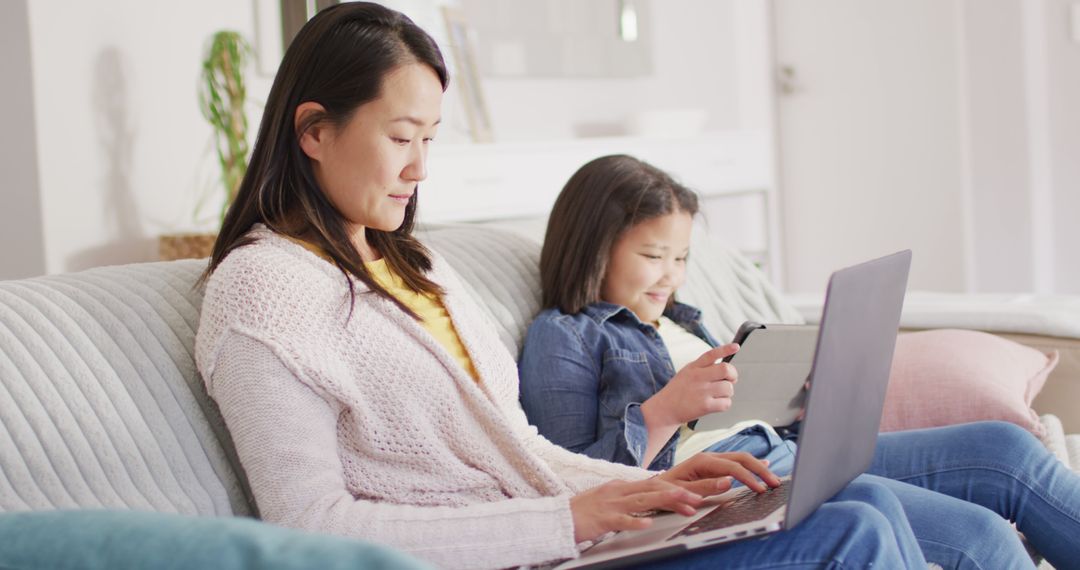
point(773, 363)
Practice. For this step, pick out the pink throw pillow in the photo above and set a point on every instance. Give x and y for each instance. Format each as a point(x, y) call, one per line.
point(943, 377)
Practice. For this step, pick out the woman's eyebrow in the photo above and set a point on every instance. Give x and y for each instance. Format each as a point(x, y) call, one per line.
point(414, 120)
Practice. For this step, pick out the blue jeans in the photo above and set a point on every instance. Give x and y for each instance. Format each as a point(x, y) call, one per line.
point(763, 444)
point(961, 485)
point(863, 526)
point(996, 465)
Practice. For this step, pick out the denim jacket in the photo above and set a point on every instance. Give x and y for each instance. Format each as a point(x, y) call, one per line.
point(585, 376)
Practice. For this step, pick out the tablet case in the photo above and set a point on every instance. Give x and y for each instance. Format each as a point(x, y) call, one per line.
point(773, 365)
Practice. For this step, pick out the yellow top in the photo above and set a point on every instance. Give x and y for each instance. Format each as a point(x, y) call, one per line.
point(432, 312)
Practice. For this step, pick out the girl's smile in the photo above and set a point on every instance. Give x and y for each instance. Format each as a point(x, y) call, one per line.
point(648, 264)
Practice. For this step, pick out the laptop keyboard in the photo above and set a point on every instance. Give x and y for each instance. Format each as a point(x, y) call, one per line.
point(748, 507)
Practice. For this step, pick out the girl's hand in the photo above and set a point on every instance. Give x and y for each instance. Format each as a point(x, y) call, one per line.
point(704, 386)
point(612, 506)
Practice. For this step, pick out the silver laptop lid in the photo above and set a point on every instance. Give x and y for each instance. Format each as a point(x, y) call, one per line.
point(850, 373)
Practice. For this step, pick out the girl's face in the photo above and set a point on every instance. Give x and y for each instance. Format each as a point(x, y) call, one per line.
point(370, 167)
point(647, 264)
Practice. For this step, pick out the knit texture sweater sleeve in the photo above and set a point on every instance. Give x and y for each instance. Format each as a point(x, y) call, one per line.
point(286, 437)
point(579, 472)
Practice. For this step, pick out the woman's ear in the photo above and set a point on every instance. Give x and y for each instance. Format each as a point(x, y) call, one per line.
point(314, 137)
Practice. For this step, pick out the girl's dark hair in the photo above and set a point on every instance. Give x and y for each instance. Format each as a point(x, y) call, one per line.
point(338, 60)
point(604, 198)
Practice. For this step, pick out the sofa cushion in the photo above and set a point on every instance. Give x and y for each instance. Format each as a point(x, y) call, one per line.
point(1054, 440)
point(500, 270)
point(1072, 448)
point(121, 540)
point(103, 406)
point(950, 376)
point(730, 289)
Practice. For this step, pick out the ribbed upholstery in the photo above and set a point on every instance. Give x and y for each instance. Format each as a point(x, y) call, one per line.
point(1055, 440)
point(101, 404)
point(730, 289)
point(1072, 447)
point(502, 268)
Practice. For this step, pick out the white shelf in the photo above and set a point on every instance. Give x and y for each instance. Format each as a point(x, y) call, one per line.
point(471, 182)
point(730, 170)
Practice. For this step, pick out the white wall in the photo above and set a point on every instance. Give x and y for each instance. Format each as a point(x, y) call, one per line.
point(947, 127)
point(694, 66)
point(1063, 61)
point(992, 44)
point(21, 239)
point(123, 152)
point(870, 159)
point(1022, 81)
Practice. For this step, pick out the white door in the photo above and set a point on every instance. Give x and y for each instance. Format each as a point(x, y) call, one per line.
point(870, 137)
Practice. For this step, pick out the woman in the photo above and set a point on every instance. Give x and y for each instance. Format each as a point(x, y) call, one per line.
point(614, 368)
point(367, 396)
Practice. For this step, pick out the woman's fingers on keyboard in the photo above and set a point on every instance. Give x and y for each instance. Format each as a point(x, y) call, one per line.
point(677, 499)
point(742, 466)
point(612, 506)
point(708, 487)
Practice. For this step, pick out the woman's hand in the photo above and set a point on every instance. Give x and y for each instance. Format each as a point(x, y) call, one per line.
point(612, 506)
point(681, 489)
point(709, 473)
point(704, 386)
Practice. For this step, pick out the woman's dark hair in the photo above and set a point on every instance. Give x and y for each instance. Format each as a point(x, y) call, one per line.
point(604, 198)
point(338, 60)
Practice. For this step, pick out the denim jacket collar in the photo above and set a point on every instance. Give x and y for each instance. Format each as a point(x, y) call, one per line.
point(603, 311)
point(630, 363)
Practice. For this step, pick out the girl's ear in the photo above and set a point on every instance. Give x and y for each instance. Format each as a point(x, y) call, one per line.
point(313, 139)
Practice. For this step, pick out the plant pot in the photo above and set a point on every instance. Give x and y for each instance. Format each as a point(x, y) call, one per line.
point(185, 246)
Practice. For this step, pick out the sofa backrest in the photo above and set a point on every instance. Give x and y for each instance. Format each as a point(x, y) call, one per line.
point(501, 267)
point(100, 401)
point(101, 404)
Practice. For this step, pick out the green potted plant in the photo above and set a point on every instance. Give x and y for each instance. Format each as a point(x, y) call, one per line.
point(222, 100)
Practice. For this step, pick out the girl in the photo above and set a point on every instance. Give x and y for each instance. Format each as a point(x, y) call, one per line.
point(614, 368)
point(366, 395)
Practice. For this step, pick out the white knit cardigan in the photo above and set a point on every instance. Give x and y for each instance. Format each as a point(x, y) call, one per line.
point(366, 427)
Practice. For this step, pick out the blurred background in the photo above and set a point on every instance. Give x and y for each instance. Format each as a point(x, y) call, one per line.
point(820, 133)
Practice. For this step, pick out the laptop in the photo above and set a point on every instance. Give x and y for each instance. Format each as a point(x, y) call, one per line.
point(849, 375)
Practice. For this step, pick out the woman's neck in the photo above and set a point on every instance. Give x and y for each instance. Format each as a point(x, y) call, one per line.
point(358, 239)
point(365, 249)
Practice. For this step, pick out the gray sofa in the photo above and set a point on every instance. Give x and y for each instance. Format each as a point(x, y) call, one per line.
point(101, 405)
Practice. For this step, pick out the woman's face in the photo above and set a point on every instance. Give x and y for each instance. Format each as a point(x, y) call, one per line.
point(647, 264)
point(370, 167)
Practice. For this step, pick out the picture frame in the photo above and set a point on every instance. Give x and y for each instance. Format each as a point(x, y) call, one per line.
point(466, 76)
